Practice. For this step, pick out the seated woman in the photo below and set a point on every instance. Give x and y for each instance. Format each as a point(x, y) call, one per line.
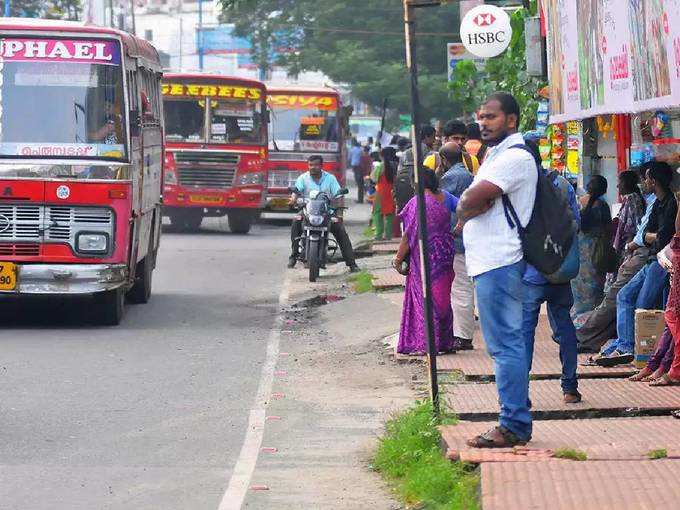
point(659, 363)
point(596, 220)
point(439, 204)
point(672, 314)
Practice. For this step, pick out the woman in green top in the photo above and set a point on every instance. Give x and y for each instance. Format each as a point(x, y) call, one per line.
point(383, 204)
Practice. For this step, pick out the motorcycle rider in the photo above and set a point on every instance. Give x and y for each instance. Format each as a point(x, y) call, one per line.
point(319, 180)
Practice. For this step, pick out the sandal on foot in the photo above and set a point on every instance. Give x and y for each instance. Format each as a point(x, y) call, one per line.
point(641, 375)
point(497, 437)
point(665, 380)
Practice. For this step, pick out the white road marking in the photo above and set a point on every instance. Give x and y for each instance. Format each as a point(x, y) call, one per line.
point(245, 465)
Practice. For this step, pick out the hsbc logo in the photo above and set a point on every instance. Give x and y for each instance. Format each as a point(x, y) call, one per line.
point(486, 31)
point(484, 20)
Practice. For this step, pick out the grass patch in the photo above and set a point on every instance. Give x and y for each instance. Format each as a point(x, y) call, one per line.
point(410, 459)
point(369, 232)
point(362, 282)
point(571, 454)
point(661, 453)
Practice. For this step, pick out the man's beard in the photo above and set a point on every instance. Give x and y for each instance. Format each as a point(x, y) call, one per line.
point(497, 140)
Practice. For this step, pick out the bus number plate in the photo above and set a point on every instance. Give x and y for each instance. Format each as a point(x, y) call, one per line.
point(205, 199)
point(8, 276)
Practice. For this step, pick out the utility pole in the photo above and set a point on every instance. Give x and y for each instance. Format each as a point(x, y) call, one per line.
point(410, 37)
point(200, 34)
point(8, 4)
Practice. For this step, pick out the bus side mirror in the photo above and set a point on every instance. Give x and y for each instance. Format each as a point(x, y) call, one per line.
point(135, 122)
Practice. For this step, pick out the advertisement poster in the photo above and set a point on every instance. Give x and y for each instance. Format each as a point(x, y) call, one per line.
point(612, 56)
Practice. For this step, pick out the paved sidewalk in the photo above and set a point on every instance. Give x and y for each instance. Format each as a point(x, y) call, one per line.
point(617, 426)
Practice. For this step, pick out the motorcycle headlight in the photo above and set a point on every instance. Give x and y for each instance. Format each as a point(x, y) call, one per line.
point(316, 220)
point(251, 178)
point(92, 243)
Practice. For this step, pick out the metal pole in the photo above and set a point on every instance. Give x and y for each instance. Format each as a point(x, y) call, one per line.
point(382, 123)
point(410, 33)
point(200, 34)
point(181, 41)
point(132, 15)
point(8, 4)
point(113, 24)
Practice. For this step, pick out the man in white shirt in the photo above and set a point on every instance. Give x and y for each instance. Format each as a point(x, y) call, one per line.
point(495, 261)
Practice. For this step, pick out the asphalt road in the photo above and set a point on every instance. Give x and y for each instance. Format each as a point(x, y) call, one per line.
point(150, 414)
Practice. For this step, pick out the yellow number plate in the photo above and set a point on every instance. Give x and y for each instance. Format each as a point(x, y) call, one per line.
point(8, 276)
point(205, 199)
point(280, 203)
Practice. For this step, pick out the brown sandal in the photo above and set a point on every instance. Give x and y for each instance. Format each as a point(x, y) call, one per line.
point(641, 375)
point(665, 380)
point(497, 437)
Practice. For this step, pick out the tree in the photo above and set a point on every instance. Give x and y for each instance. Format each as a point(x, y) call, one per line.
point(354, 42)
point(52, 9)
point(506, 72)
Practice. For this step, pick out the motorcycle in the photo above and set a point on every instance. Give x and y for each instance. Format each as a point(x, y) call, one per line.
point(317, 213)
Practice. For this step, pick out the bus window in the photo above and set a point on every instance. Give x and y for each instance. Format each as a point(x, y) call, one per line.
point(185, 120)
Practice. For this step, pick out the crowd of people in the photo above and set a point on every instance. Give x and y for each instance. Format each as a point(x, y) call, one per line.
point(477, 259)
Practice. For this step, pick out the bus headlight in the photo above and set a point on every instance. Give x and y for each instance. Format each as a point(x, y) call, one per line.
point(170, 177)
point(89, 242)
point(251, 178)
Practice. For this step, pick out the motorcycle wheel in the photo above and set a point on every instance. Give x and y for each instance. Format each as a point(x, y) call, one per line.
point(313, 261)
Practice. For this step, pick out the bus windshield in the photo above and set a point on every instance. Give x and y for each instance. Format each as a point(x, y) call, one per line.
point(208, 113)
point(297, 125)
point(61, 98)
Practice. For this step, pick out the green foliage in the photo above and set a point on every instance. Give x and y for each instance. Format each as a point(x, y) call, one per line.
point(362, 282)
point(571, 454)
point(54, 9)
point(410, 458)
point(661, 453)
point(354, 42)
point(506, 72)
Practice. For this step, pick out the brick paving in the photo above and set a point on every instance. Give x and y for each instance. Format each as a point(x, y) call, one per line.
point(387, 279)
point(606, 485)
point(599, 439)
point(477, 364)
point(475, 401)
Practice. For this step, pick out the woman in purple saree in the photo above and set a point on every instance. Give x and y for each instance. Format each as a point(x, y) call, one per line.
point(439, 205)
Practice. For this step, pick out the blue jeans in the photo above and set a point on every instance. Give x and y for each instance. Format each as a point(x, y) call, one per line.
point(560, 300)
point(499, 300)
point(645, 291)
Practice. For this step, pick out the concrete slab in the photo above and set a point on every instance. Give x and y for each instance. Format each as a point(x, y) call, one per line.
point(387, 279)
point(599, 439)
point(607, 485)
point(480, 401)
point(477, 364)
point(371, 319)
point(385, 247)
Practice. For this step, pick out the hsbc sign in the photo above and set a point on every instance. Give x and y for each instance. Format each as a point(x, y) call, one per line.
point(485, 31)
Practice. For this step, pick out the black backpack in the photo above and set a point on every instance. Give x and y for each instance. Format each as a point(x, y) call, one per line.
point(548, 237)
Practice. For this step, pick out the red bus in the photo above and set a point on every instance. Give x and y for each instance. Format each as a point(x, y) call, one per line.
point(303, 121)
point(80, 162)
point(216, 149)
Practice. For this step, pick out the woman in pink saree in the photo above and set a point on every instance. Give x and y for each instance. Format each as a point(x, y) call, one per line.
point(439, 204)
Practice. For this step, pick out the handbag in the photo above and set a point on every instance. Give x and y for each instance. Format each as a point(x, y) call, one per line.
point(604, 257)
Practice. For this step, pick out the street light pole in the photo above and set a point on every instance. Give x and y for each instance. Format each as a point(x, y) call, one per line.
point(8, 4)
point(410, 34)
point(200, 34)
